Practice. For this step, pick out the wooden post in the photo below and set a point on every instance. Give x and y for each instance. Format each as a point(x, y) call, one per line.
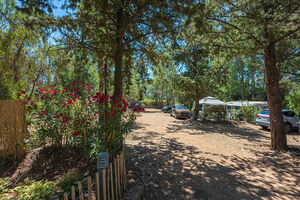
point(116, 178)
point(108, 185)
point(121, 173)
point(104, 184)
point(80, 190)
point(65, 196)
point(111, 182)
point(89, 181)
point(73, 195)
point(97, 186)
point(125, 173)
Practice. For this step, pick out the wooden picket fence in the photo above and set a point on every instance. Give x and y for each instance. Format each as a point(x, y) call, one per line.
point(114, 179)
point(12, 128)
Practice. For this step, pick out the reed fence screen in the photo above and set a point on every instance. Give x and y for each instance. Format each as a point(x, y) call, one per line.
point(12, 128)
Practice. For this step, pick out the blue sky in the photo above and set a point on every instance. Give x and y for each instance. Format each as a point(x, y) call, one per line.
point(58, 12)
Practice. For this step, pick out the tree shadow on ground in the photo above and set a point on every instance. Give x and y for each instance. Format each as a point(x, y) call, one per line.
point(139, 125)
point(173, 171)
point(146, 136)
point(228, 128)
point(152, 111)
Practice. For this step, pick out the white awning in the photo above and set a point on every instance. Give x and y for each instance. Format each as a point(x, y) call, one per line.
point(212, 101)
point(248, 103)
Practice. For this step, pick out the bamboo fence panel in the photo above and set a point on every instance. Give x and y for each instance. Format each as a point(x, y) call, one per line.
point(12, 128)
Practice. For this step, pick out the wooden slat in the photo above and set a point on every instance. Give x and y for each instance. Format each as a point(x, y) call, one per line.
point(65, 196)
point(80, 190)
point(97, 186)
point(89, 181)
point(121, 173)
point(73, 194)
point(108, 183)
point(104, 184)
point(118, 175)
point(116, 178)
point(124, 170)
point(112, 182)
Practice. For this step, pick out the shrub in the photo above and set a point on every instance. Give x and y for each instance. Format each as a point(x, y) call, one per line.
point(35, 190)
point(216, 112)
point(293, 99)
point(79, 117)
point(69, 180)
point(247, 113)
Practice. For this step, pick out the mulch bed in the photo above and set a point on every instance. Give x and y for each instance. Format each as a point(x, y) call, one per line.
point(47, 163)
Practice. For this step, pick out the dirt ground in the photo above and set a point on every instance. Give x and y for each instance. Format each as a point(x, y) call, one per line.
point(182, 159)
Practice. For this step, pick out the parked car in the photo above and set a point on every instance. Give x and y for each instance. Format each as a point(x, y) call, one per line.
point(290, 120)
point(166, 109)
point(180, 111)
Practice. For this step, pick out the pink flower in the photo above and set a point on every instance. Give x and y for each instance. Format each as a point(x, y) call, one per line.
point(73, 83)
point(75, 133)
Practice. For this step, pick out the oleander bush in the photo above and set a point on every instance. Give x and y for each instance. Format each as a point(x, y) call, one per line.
point(77, 116)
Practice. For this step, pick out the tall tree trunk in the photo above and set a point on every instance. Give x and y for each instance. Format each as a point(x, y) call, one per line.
point(118, 57)
point(197, 98)
point(242, 81)
point(100, 75)
point(278, 136)
point(252, 83)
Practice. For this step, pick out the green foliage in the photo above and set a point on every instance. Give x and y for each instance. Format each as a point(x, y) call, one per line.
point(293, 98)
point(69, 180)
point(78, 116)
point(4, 183)
point(216, 112)
point(247, 113)
point(35, 190)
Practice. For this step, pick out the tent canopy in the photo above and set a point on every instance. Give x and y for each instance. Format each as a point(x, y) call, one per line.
point(212, 101)
point(248, 103)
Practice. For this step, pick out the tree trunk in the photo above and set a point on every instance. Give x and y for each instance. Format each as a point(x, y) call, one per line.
point(197, 98)
point(242, 81)
point(118, 57)
point(278, 136)
point(252, 84)
point(100, 75)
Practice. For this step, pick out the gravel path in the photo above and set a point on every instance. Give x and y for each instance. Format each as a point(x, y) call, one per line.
point(181, 159)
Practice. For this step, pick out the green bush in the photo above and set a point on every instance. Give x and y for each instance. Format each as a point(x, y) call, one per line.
point(293, 99)
point(77, 116)
point(216, 112)
point(35, 190)
point(69, 180)
point(247, 113)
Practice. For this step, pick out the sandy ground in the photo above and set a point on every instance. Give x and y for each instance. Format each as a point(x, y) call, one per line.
point(182, 159)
